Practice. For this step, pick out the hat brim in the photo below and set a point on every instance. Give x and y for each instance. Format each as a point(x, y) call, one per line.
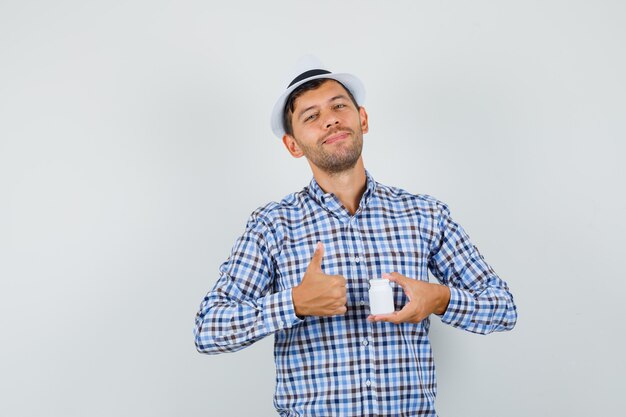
point(349, 81)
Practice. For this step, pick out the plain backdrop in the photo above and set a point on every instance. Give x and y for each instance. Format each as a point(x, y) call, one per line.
point(135, 142)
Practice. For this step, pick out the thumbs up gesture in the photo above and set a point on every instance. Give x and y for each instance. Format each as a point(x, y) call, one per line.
point(319, 294)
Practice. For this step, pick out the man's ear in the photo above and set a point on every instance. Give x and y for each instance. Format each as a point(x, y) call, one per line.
point(364, 124)
point(292, 146)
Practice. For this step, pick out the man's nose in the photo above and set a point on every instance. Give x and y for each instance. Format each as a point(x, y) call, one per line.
point(331, 121)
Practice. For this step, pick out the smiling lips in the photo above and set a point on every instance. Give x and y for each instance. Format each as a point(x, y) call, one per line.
point(336, 137)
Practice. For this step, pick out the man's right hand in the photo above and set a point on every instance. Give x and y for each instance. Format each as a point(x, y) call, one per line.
point(319, 294)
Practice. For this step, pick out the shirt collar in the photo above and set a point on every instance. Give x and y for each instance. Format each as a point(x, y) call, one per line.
point(330, 202)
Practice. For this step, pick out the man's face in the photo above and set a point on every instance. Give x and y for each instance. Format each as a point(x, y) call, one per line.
point(327, 128)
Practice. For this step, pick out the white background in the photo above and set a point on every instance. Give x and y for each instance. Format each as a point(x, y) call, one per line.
point(135, 142)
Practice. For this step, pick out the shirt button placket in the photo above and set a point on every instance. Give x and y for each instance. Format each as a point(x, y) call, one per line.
point(360, 269)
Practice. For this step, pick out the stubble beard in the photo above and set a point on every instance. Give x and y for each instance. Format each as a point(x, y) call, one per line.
point(341, 160)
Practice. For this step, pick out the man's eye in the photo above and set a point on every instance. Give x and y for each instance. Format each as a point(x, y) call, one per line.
point(340, 106)
point(309, 117)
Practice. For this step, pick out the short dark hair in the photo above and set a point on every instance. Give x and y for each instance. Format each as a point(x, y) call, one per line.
point(290, 103)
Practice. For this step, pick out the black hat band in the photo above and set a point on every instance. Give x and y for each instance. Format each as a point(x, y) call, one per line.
point(307, 74)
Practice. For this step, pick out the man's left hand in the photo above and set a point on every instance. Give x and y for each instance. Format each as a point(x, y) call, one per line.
point(424, 299)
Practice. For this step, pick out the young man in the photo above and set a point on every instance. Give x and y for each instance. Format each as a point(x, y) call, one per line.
point(301, 270)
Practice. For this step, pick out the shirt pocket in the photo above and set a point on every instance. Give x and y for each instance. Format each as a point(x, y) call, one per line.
point(412, 264)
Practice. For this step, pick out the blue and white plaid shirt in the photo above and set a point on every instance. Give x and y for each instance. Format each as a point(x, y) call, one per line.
point(345, 365)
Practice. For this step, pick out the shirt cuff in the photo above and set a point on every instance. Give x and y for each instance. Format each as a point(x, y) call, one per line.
point(460, 309)
point(279, 312)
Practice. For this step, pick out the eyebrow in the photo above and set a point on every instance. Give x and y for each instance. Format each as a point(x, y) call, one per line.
point(337, 97)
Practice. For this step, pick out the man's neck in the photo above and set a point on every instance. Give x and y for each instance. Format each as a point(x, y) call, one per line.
point(348, 185)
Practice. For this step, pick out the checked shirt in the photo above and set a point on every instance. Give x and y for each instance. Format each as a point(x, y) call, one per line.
point(344, 365)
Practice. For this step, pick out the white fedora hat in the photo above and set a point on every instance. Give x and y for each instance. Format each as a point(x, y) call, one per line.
point(306, 69)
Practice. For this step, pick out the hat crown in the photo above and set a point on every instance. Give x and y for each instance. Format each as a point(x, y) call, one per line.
point(302, 65)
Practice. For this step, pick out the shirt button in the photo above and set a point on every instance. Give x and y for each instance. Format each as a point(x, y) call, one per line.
point(357, 259)
point(368, 383)
point(362, 302)
point(365, 342)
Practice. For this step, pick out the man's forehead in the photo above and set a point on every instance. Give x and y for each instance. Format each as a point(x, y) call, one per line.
point(329, 90)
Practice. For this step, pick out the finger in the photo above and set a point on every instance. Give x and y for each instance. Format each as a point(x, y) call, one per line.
point(341, 310)
point(341, 280)
point(316, 260)
point(381, 317)
point(338, 292)
point(337, 281)
point(396, 277)
point(405, 314)
point(396, 317)
point(342, 293)
point(401, 280)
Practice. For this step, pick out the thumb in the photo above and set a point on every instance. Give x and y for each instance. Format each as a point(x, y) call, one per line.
point(316, 260)
point(397, 278)
point(402, 281)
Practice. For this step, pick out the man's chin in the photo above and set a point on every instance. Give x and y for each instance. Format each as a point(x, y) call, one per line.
point(338, 167)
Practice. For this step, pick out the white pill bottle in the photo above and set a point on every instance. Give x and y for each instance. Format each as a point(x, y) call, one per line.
point(381, 297)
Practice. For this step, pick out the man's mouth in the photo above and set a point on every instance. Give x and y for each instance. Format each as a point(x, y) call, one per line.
point(336, 137)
